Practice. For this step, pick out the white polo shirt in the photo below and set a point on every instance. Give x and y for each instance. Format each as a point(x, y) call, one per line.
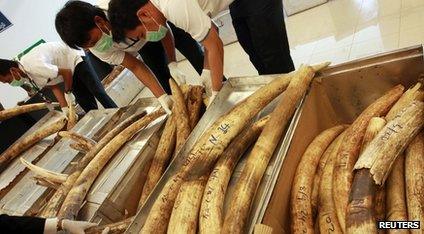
point(43, 62)
point(116, 54)
point(193, 16)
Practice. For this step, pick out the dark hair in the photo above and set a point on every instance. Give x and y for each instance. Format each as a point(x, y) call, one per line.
point(75, 20)
point(123, 16)
point(5, 66)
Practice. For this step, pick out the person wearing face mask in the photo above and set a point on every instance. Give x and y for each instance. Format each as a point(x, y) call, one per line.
point(51, 64)
point(82, 25)
point(259, 27)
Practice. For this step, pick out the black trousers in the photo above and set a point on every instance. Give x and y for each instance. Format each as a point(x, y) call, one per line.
point(96, 66)
point(261, 32)
point(21, 225)
point(155, 58)
point(88, 88)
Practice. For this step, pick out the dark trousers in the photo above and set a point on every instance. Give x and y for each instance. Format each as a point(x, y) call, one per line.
point(21, 225)
point(96, 66)
point(88, 88)
point(155, 58)
point(261, 32)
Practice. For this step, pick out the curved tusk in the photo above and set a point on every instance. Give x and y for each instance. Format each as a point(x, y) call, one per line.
point(44, 173)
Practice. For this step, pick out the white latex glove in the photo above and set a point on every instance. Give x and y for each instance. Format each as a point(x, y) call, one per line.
point(176, 73)
point(76, 227)
point(206, 79)
point(166, 102)
point(106, 230)
point(65, 110)
point(212, 97)
point(70, 98)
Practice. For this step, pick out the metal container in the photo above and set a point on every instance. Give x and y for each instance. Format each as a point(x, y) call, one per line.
point(126, 83)
point(234, 91)
point(22, 195)
point(121, 180)
point(110, 189)
point(338, 96)
point(15, 167)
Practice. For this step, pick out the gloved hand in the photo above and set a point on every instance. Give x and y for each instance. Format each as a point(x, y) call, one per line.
point(65, 110)
point(212, 97)
point(75, 227)
point(206, 80)
point(166, 103)
point(70, 98)
point(106, 230)
point(176, 73)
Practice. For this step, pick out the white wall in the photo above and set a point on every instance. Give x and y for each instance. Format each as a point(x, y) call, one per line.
point(32, 20)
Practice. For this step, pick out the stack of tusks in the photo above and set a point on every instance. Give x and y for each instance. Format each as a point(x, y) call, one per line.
point(192, 178)
point(176, 208)
point(355, 163)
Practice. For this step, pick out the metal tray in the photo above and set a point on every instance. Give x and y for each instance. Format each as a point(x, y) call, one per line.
point(25, 193)
point(16, 167)
point(126, 83)
point(107, 198)
point(338, 96)
point(235, 90)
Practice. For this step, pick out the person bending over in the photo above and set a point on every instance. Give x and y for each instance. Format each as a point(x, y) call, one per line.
point(51, 64)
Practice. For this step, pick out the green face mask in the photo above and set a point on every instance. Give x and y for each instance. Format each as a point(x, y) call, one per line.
point(156, 35)
point(104, 44)
point(17, 83)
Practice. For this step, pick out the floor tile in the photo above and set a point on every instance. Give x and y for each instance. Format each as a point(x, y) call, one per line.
point(411, 36)
point(377, 28)
point(335, 56)
point(342, 12)
point(411, 18)
point(236, 62)
point(408, 4)
point(374, 46)
point(333, 42)
point(302, 50)
point(377, 9)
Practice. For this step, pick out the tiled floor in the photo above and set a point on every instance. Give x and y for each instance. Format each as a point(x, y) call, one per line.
point(349, 29)
point(341, 30)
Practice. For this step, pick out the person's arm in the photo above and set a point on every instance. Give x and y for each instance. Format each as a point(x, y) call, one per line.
point(58, 93)
point(168, 44)
point(143, 74)
point(189, 16)
point(67, 78)
point(214, 57)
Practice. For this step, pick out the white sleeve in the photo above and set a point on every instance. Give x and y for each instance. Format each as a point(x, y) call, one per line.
point(43, 67)
point(115, 57)
point(50, 226)
point(103, 4)
point(187, 15)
